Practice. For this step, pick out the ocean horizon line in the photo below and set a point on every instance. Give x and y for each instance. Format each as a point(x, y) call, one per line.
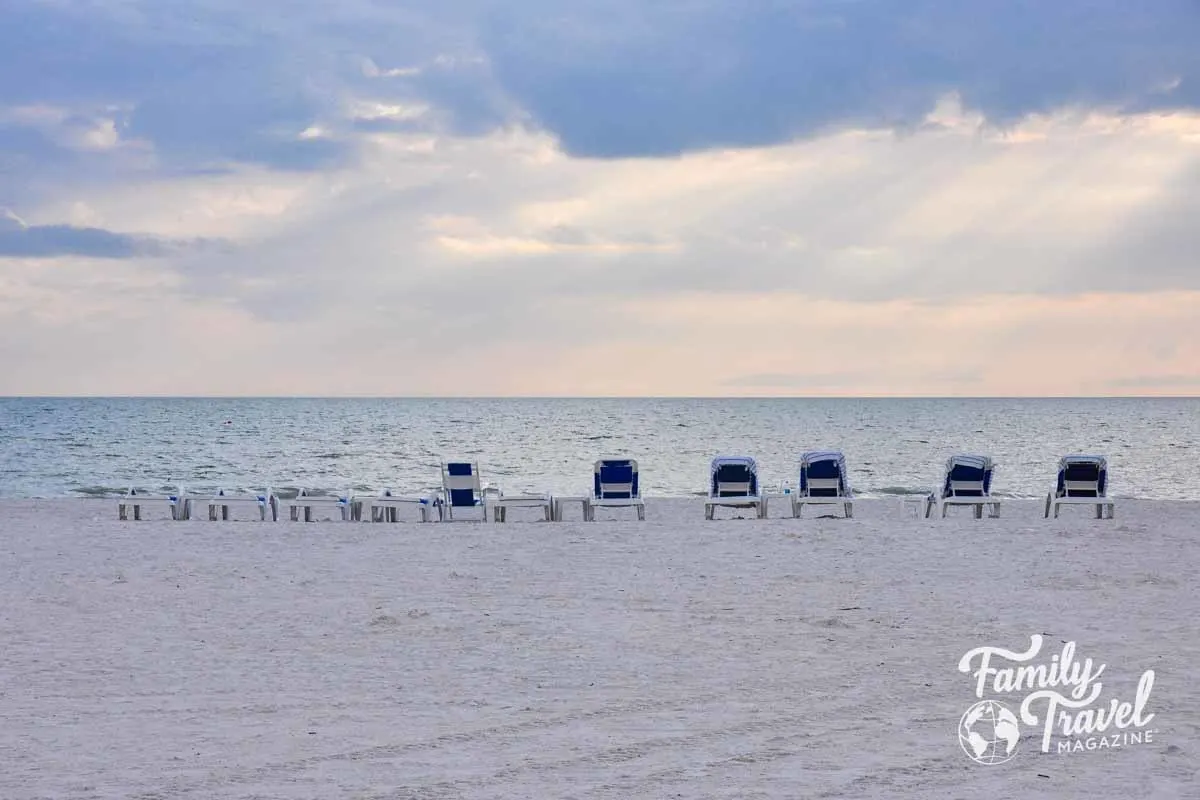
point(587, 397)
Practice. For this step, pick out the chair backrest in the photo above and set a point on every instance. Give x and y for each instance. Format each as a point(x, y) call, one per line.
point(734, 476)
point(968, 476)
point(823, 474)
point(615, 479)
point(460, 479)
point(1082, 476)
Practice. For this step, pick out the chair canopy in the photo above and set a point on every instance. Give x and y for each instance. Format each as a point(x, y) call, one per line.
point(734, 476)
point(1082, 476)
point(974, 471)
point(823, 474)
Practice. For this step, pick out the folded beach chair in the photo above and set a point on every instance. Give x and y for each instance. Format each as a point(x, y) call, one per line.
point(177, 503)
point(734, 484)
point(305, 501)
point(615, 485)
point(968, 482)
point(823, 481)
point(265, 501)
point(502, 501)
point(385, 507)
point(1082, 480)
point(461, 489)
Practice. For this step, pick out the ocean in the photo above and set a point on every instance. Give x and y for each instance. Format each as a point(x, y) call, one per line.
point(63, 447)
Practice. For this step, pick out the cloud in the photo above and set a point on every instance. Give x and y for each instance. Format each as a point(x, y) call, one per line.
point(795, 380)
point(239, 82)
point(1156, 381)
point(659, 79)
point(21, 240)
point(642, 198)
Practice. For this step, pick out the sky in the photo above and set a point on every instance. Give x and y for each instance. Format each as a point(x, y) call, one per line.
point(593, 198)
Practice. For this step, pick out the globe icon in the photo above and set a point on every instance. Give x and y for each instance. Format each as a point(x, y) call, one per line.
point(989, 732)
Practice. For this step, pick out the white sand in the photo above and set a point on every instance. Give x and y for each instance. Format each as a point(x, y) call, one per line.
point(673, 658)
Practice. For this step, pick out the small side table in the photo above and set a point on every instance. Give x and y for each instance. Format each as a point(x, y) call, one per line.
point(562, 499)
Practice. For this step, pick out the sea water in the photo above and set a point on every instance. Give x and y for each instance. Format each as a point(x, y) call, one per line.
point(77, 447)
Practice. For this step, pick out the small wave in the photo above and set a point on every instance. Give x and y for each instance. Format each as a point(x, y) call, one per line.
point(98, 491)
point(899, 490)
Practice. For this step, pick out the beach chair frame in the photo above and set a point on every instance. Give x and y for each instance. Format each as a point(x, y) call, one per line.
point(178, 504)
point(615, 484)
point(823, 490)
point(726, 490)
point(265, 502)
point(462, 488)
point(967, 482)
point(1082, 481)
point(385, 506)
point(305, 501)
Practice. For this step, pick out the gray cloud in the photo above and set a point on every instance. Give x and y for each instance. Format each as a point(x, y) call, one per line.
point(1151, 381)
point(658, 79)
point(207, 82)
point(49, 241)
point(795, 380)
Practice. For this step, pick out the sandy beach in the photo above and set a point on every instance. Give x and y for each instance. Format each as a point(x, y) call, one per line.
point(673, 658)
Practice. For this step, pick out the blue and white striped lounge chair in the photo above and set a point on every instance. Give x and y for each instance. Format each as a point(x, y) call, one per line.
point(1082, 480)
point(461, 489)
point(385, 507)
point(177, 503)
point(265, 501)
point(306, 501)
point(823, 481)
point(615, 485)
point(734, 484)
point(968, 482)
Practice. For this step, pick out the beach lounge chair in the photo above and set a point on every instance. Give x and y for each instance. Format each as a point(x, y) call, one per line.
point(306, 501)
point(734, 484)
point(968, 482)
point(461, 489)
point(265, 501)
point(1082, 480)
point(823, 481)
point(615, 485)
point(385, 507)
point(177, 503)
point(502, 501)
